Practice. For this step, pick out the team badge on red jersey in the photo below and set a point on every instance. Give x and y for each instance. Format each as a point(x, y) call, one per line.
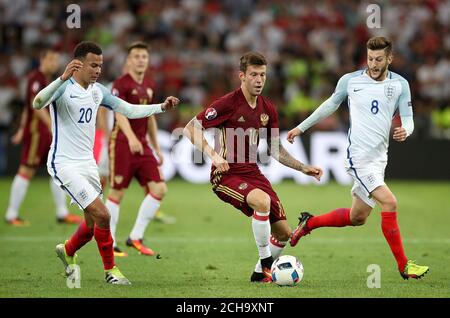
point(264, 119)
point(210, 113)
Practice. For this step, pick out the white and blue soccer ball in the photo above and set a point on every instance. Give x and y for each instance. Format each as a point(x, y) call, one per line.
point(287, 270)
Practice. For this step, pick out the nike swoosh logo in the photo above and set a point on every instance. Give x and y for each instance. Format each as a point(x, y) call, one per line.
point(74, 96)
point(357, 90)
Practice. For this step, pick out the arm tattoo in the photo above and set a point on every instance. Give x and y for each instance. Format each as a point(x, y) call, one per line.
point(280, 154)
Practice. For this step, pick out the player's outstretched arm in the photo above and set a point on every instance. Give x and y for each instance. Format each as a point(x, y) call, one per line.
point(195, 133)
point(279, 153)
point(324, 110)
point(50, 92)
point(136, 111)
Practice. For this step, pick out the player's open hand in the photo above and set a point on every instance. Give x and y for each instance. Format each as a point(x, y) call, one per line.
point(312, 171)
point(400, 134)
point(220, 163)
point(293, 133)
point(170, 102)
point(71, 68)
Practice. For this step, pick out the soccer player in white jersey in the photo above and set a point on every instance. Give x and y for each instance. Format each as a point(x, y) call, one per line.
point(74, 99)
point(374, 96)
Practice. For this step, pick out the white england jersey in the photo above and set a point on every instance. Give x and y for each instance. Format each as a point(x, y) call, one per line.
point(372, 105)
point(74, 111)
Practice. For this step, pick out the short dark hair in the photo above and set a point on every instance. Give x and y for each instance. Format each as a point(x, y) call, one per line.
point(137, 45)
point(380, 43)
point(251, 58)
point(44, 51)
point(83, 48)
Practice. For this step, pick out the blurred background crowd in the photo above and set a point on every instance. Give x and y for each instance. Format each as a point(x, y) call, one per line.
point(196, 45)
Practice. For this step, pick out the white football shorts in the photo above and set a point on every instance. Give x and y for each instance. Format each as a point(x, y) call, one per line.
point(366, 179)
point(80, 180)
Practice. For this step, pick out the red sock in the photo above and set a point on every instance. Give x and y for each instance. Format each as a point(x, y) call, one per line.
point(105, 246)
point(392, 234)
point(336, 218)
point(79, 238)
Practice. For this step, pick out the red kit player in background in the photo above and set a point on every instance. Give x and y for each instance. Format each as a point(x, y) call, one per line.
point(129, 153)
point(36, 136)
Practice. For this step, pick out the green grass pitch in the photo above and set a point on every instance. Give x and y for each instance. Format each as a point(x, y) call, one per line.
point(210, 251)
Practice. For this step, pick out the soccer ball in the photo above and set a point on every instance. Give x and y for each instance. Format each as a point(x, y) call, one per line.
point(287, 270)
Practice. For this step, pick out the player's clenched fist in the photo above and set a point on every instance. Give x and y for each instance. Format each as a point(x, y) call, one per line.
point(293, 133)
point(170, 103)
point(400, 134)
point(71, 68)
point(312, 171)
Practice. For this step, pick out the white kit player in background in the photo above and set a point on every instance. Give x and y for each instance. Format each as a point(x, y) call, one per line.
point(374, 96)
point(74, 98)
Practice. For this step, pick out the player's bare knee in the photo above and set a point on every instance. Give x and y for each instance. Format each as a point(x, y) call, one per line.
point(259, 200)
point(358, 220)
point(159, 190)
point(389, 205)
point(103, 218)
point(116, 195)
point(282, 236)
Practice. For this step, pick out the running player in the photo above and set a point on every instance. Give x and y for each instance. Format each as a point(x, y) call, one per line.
point(75, 97)
point(374, 95)
point(36, 137)
point(241, 117)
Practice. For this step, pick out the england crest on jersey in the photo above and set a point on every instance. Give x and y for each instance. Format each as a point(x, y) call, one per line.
point(95, 97)
point(389, 91)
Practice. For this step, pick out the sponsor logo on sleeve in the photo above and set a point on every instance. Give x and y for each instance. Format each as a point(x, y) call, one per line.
point(210, 113)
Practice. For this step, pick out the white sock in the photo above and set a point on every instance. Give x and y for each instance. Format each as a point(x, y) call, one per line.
point(59, 196)
point(276, 248)
point(261, 232)
point(19, 188)
point(113, 209)
point(146, 213)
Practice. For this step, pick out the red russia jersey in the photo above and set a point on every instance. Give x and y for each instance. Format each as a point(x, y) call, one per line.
point(239, 128)
point(35, 82)
point(126, 88)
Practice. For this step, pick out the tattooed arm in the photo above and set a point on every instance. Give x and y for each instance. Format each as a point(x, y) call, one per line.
point(279, 153)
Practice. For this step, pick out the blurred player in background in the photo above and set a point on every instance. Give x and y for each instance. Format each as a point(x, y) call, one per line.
point(36, 136)
point(374, 96)
point(235, 176)
point(129, 153)
point(75, 97)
